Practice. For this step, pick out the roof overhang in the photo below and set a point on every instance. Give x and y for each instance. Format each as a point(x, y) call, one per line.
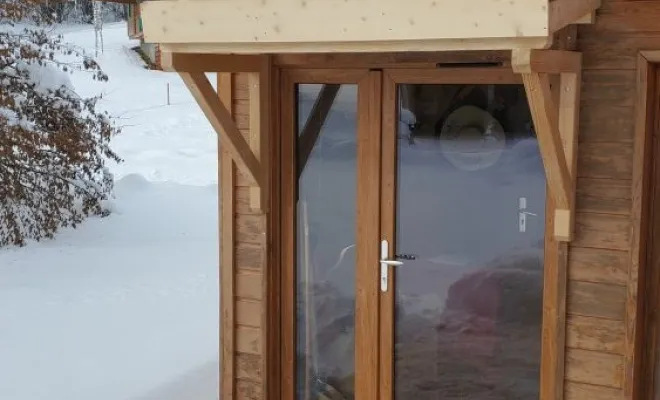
point(296, 26)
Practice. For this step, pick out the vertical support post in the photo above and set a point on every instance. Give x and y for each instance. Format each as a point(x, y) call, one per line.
point(569, 107)
point(226, 176)
point(259, 136)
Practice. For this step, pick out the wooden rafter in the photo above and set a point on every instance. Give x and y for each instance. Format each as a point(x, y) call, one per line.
point(566, 12)
point(224, 125)
point(315, 122)
point(556, 123)
point(197, 62)
point(545, 61)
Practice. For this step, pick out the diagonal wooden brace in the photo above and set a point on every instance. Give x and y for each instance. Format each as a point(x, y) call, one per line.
point(315, 122)
point(556, 123)
point(546, 120)
point(221, 120)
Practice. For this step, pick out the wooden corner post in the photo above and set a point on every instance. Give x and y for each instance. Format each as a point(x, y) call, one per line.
point(260, 135)
point(556, 119)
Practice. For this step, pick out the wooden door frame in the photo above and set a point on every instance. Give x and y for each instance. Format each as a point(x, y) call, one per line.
point(642, 326)
point(555, 253)
point(367, 228)
point(380, 119)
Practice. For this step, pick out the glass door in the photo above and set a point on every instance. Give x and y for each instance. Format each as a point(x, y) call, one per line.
point(331, 154)
point(462, 230)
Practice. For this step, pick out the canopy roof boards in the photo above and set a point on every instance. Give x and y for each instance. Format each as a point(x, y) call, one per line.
point(291, 26)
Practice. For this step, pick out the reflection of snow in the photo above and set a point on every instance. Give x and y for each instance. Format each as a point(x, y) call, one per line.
point(523, 157)
point(475, 278)
point(450, 260)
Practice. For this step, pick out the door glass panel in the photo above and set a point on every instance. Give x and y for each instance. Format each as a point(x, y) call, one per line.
point(326, 151)
point(470, 228)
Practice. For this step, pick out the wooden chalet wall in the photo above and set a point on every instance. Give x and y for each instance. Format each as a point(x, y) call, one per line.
point(603, 258)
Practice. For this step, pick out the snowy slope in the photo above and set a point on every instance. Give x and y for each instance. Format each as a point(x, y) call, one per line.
point(124, 307)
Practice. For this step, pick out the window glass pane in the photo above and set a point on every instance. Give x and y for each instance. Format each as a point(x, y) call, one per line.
point(326, 212)
point(470, 230)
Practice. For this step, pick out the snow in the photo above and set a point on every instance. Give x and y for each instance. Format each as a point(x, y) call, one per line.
point(46, 78)
point(124, 307)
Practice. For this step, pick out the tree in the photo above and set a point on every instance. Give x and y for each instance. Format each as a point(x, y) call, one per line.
point(54, 145)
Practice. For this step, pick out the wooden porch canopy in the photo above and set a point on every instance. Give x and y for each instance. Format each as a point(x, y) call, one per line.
point(232, 36)
point(285, 26)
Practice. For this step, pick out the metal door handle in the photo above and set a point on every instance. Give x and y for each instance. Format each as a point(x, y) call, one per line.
point(385, 263)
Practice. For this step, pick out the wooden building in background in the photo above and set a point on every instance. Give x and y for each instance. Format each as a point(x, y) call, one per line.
point(134, 20)
point(149, 51)
point(433, 198)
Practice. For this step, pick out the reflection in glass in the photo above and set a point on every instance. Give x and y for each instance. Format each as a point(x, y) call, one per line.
point(470, 206)
point(326, 158)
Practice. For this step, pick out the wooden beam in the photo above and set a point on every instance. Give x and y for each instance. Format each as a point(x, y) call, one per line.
point(566, 12)
point(291, 26)
point(587, 19)
point(525, 61)
point(569, 107)
point(200, 62)
point(566, 39)
point(227, 204)
point(408, 59)
point(380, 46)
point(259, 105)
point(650, 56)
point(221, 120)
point(314, 123)
point(546, 119)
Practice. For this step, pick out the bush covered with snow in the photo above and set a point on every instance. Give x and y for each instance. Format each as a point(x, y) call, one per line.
point(53, 144)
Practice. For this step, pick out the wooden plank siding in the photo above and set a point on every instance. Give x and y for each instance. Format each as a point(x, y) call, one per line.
point(598, 358)
point(249, 265)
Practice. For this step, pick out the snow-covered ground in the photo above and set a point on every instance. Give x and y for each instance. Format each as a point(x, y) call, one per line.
point(126, 307)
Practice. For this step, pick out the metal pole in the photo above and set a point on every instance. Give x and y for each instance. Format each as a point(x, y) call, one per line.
point(98, 25)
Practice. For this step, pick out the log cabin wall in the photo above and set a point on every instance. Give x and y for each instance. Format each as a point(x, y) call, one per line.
point(603, 259)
